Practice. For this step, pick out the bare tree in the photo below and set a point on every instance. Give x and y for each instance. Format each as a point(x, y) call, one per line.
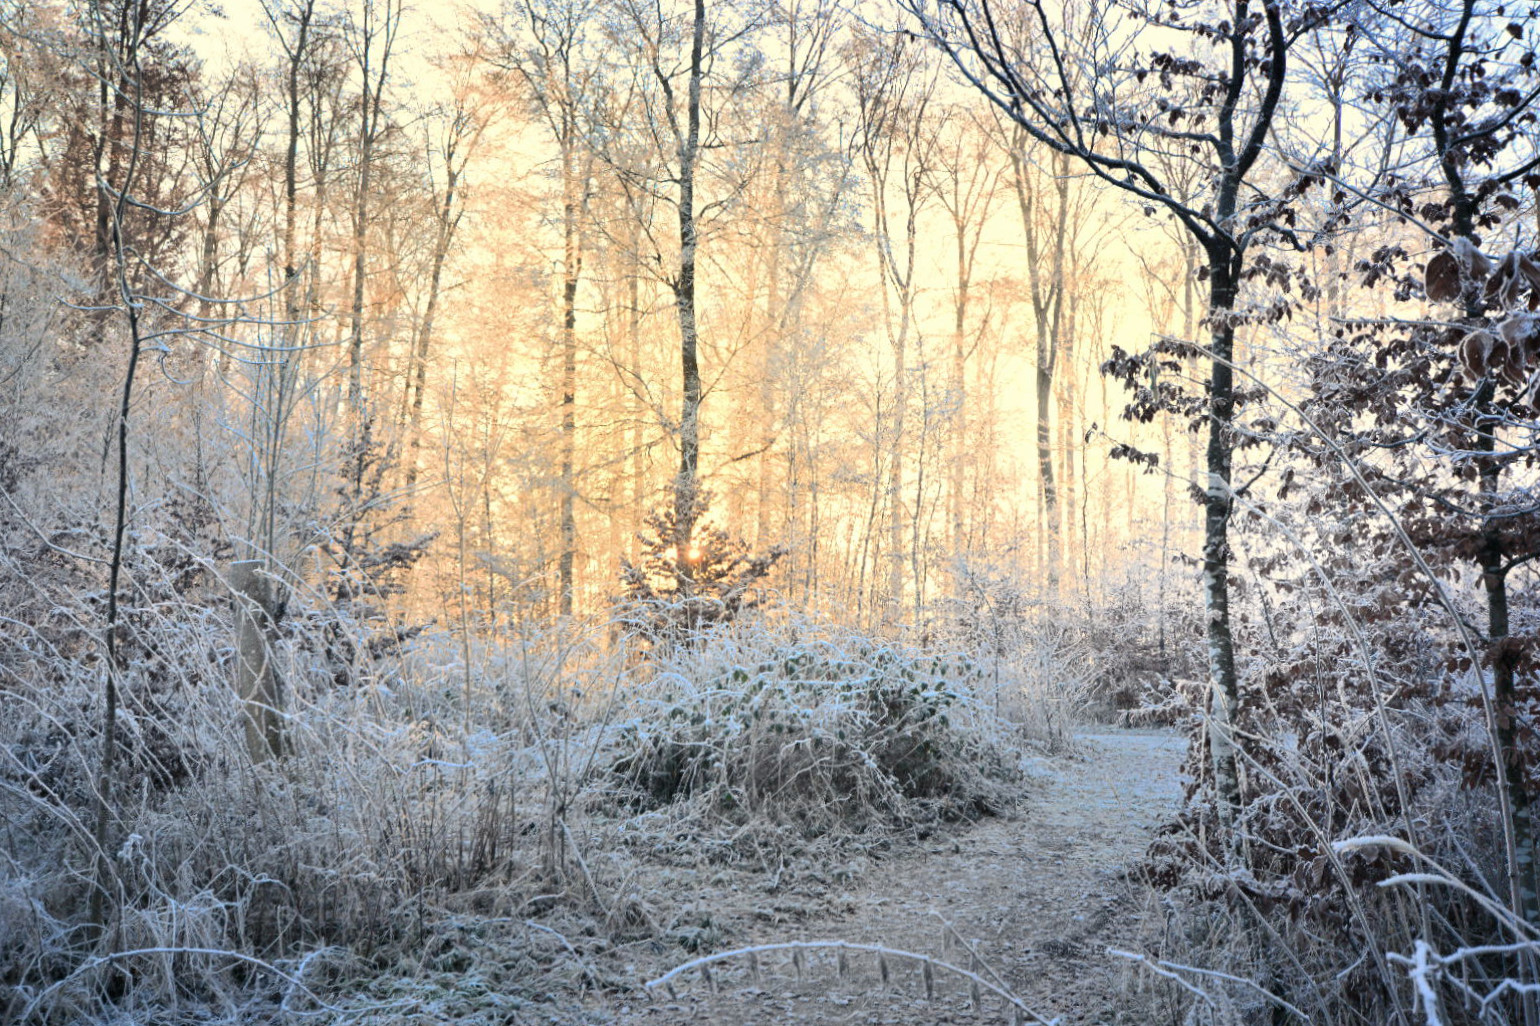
point(667, 138)
point(451, 136)
point(371, 36)
point(894, 88)
point(549, 47)
point(966, 178)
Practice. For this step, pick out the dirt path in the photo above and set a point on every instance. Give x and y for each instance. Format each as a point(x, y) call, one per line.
point(1039, 896)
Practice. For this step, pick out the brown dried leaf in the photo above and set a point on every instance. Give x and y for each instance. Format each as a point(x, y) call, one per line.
point(1505, 285)
point(1514, 369)
point(1441, 277)
point(1513, 328)
point(1522, 333)
point(1473, 263)
point(1530, 269)
point(1476, 352)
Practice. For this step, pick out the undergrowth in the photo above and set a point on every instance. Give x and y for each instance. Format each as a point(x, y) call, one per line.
point(824, 731)
point(501, 785)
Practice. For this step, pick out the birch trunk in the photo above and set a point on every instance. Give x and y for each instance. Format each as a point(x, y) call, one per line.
point(686, 487)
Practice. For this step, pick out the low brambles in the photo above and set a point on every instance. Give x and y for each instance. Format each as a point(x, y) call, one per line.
point(819, 731)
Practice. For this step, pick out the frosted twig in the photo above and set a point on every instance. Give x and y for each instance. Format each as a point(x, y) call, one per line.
point(1171, 971)
point(578, 855)
point(294, 982)
point(588, 970)
point(882, 953)
point(1422, 967)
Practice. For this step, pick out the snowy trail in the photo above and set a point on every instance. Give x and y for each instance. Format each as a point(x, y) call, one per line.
point(1038, 894)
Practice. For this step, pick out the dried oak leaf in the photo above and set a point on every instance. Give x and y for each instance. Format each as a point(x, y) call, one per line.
point(1473, 262)
point(1522, 331)
point(1515, 369)
point(1529, 267)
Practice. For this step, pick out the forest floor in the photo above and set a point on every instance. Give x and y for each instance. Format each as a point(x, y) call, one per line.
point(1039, 894)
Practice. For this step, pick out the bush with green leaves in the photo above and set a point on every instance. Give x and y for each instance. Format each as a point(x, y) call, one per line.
point(820, 731)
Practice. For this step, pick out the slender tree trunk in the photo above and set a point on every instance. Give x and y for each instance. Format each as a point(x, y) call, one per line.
point(1071, 538)
point(572, 266)
point(1522, 874)
point(957, 477)
point(1163, 570)
point(685, 489)
point(291, 174)
point(371, 106)
point(1048, 296)
point(130, 80)
point(1048, 511)
point(895, 495)
point(634, 356)
point(418, 383)
point(1224, 696)
point(919, 520)
point(360, 256)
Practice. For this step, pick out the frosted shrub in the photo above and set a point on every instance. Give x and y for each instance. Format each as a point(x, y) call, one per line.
point(819, 732)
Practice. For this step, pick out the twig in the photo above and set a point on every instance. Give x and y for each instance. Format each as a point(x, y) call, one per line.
point(797, 947)
point(578, 855)
point(1171, 971)
point(294, 982)
point(588, 970)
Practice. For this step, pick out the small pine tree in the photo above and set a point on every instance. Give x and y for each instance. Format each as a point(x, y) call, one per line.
point(691, 576)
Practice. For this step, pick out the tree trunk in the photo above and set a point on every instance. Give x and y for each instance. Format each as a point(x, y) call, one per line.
point(957, 479)
point(258, 606)
point(1224, 686)
point(895, 496)
point(686, 487)
point(1048, 512)
point(418, 382)
point(1503, 655)
point(638, 470)
point(1048, 296)
point(572, 265)
point(369, 124)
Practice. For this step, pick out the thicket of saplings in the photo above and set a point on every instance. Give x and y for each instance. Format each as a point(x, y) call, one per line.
point(429, 781)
